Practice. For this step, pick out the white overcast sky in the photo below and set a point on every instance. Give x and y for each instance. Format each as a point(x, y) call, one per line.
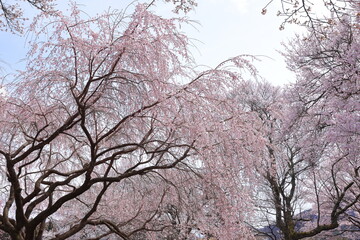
point(227, 28)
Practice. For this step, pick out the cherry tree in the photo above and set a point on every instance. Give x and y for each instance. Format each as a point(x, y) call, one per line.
point(328, 88)
point(308, 189)
point(111, 133)
point(314, 161)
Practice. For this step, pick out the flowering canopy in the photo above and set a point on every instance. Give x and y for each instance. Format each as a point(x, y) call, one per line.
point(110, 132)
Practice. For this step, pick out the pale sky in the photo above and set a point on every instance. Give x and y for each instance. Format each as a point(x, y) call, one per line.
point(226, 28)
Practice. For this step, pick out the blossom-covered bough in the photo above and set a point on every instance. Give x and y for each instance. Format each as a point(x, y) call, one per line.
point(310, 13)
point(110, 133)
point(12, 16)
